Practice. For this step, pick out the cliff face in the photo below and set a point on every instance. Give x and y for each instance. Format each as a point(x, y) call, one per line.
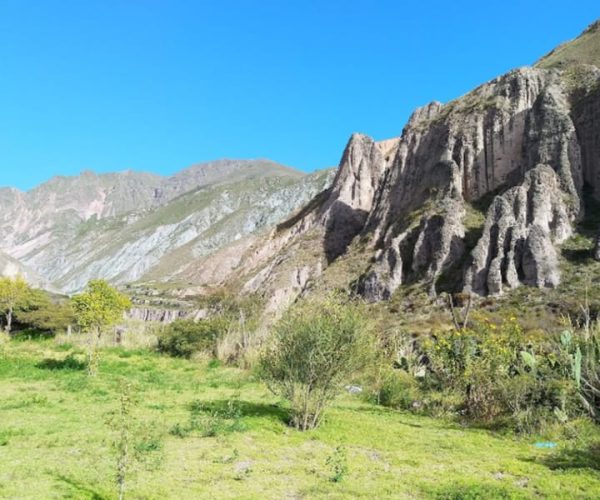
point(462, 153)
point(483, 189)
point(521, 229)
point(354, 190)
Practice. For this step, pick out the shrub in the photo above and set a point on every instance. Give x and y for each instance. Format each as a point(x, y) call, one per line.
point(504, 374)
point(444, 403)
point(316, 348)
point(212, 420)
point(183, 338)
point(32, 334)
point(399, 390)
point(338, 464)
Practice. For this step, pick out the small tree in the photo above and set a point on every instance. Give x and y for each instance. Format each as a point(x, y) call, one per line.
point(316, 348)
point(98, 307)
point(44, 313)
point(123, 442)
point(13, 292)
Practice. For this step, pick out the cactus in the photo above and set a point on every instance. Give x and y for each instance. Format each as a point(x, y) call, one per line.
point(566, 337)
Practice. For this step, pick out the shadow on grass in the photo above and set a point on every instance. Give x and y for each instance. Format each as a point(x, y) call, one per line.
point(70, 363)
point(83, 490)
point(462, 490)
point(402, 417)
point(572, 458)
point(31, 334)
point(578, 255)
point(235, 408)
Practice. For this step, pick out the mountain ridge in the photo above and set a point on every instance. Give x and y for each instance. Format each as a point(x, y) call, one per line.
point(184, 172)
point(75, 228)
point(476, 195)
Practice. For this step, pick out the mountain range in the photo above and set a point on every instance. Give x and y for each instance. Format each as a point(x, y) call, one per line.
point(124, 225)
point(492, 192)
point(489, 193)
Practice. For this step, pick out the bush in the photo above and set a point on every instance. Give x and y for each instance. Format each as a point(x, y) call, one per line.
point(32, 334)
point(316, 348)
point(399, 390)
point(183, 338)
point(212, 419)
point(504, 375)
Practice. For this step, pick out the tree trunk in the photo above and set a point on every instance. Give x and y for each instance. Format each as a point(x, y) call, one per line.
point(9, 320)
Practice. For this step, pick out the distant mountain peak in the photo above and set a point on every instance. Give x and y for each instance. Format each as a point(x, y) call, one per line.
point(118, 225)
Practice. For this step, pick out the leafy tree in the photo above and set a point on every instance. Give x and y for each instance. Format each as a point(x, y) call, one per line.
point(316, 348)
point(43, 312)
point(13, 292)
point(98, 307)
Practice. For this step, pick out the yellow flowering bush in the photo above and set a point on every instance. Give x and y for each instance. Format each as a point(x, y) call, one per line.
point(502, 372)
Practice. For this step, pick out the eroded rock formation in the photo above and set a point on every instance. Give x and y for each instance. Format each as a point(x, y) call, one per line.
point(481, 190)
point(522, 227)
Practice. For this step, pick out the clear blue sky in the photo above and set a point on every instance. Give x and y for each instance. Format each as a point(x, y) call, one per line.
point(158, 85)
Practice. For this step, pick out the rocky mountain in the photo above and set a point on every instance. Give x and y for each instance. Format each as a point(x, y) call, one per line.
point(479, 194)
point(120, 226)
point(493, 191)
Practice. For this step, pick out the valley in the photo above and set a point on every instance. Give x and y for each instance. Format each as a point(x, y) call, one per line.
point(422, 321)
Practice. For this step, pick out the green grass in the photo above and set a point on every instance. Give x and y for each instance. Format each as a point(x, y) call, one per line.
point(207, 431)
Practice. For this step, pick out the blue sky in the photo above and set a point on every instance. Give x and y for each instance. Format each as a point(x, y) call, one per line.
point(158, 85)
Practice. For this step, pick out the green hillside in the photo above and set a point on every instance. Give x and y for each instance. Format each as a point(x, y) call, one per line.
point(585, 49)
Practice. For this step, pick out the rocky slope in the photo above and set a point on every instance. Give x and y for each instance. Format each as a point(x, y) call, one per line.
point(11, 268)
point(120, 226)
point(476, 195)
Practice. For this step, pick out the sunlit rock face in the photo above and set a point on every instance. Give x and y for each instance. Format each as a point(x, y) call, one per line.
point(480, 191)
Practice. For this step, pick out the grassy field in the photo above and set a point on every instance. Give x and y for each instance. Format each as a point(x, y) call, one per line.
point(200, 430)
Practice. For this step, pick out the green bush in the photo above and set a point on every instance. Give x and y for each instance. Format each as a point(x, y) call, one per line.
point(583, 347)
point(338, 465)
point(32, 334)
point(503, 374)
point(316, 348)
point(399, 390)
point(474, 491)
point(445, 403)
point(211, 420)
point(183, 338)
